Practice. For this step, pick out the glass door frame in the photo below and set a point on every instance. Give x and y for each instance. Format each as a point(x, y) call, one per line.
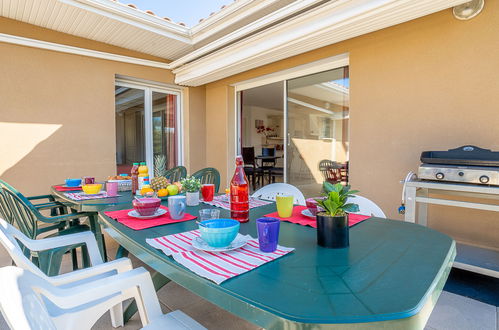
point(149, 88)
point(330, 63)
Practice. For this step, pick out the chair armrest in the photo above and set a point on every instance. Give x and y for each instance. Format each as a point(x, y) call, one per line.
point(119, 266)
point(60, 218)
point(136, 283)
point(47, 206)
point(65, 240)
point(49, 197)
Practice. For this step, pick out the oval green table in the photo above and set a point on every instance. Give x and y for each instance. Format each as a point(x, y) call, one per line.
point(390, 277)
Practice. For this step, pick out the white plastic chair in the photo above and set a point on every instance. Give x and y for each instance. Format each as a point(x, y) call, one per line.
point(30, 302)
point(269, 192)
point(367, 207)
point(86, 314)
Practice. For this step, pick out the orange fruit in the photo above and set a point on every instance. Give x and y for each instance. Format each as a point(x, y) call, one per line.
point(145, 190)
point(162, 192)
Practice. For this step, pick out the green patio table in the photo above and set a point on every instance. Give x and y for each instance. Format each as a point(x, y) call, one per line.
point(93, 206)
point(390, 277)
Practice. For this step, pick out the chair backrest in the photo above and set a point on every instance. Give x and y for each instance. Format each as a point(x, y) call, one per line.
point(9, 239)
point(209, 175)
point(176, 174)
point(18, 210)
point(269, 192)
point(249, 156)
point(21, 302)
point(367, 207)
point(330, 170)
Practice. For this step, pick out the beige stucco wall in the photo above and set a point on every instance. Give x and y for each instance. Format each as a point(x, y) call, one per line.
point(429, 84)
point(57, 115)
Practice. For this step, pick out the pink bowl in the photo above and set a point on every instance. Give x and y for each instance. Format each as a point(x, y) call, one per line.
point(146, 206)
point(312, 205)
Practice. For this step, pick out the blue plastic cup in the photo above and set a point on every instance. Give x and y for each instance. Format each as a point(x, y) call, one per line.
point(176, 207)
point(268, 233)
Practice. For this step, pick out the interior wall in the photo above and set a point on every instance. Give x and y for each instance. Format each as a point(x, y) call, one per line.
point(428, 84)
point(57, 117)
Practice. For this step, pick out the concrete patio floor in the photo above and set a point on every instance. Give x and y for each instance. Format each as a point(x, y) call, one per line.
point(453, 312)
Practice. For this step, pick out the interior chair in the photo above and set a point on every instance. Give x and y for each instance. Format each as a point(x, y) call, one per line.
point(176, 174)
point(269, 192)
point(366, 207)
point(19, 211)
point(29, 301)
point(209, 175)
point(87, 313)
point(252, 171)
point(330, 171)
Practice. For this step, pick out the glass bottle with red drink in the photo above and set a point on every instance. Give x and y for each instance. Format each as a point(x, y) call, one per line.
point(135, 177)
point(239, 193)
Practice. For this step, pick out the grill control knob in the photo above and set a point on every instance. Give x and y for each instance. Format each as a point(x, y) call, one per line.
point(439, 175)
point(484, 179)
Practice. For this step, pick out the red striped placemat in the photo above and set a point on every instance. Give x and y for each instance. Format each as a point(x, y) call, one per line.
point(65, 188)
point(215, 266)
point(223, 202)
point(299, 218)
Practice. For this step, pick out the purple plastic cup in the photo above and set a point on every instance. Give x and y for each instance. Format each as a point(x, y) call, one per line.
point(268, 233)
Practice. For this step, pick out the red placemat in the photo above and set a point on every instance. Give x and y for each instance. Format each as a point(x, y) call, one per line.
point(303, 220)
point(62, 188)
point(138, 224)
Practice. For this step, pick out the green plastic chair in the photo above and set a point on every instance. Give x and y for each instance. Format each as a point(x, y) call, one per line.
point(209, 175)
point(18, 210)
point(176, 174)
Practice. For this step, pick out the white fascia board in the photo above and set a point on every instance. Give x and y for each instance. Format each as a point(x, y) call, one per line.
point(134, 17)
point(325, 25)
point(244, 31)
point(16, 40)
point(222, 20)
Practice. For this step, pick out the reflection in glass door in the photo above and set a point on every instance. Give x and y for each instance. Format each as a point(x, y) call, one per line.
point(317, 130)
point(130, 142)
point(147, 126)
point(164, 124)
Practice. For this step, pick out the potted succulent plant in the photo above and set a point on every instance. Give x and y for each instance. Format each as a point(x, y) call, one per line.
point(332, 223)
point(191, 185)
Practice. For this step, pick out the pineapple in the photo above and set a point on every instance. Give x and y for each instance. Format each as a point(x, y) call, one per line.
point(159, 182)
point(159, 165)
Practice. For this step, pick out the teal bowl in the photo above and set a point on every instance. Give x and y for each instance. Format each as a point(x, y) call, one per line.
point(219, 232)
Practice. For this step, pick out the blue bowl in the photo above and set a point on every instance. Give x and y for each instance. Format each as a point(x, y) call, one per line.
point(73, 182)
point(219, 232)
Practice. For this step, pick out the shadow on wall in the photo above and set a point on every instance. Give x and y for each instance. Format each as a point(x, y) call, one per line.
point(35, 156)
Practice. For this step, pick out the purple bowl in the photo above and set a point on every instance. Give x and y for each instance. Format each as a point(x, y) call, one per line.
point(313, 206)
point(146, 206)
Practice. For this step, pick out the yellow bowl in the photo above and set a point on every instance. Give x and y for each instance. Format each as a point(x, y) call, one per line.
point(92, 189)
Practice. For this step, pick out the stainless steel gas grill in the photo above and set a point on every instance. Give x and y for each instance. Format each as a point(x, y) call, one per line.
point(467, 171)
point(466, 164)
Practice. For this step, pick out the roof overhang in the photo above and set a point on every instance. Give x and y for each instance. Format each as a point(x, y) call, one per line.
point(321, 26)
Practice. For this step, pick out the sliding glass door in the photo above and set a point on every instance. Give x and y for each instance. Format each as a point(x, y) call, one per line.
point(317, 143)
point(305, 124)
point(148, 125)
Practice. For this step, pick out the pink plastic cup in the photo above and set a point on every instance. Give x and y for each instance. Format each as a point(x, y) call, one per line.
point(112, 189)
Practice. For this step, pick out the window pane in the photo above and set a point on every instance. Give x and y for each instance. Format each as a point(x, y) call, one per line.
point(164, 128)
point(130, 144)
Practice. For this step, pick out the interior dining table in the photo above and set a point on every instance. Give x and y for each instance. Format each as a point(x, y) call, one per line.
point(92, 207)
point(390, 276)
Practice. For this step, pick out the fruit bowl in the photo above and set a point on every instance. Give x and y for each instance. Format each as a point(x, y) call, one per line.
point(91, 189)
point(146, 206)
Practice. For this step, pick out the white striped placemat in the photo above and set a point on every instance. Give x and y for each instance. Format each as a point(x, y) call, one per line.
point(215, 266)
point(81, 196)
point(223, 202)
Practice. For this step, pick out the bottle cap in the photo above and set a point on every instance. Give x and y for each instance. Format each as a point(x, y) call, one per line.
point(142, 163)
point(135, 164)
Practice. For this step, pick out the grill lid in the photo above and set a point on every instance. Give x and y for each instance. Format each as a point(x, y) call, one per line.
point(465, 156)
